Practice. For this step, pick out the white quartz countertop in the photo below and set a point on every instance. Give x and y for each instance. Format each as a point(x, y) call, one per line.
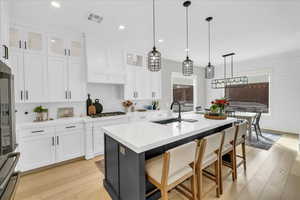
point(144, 136)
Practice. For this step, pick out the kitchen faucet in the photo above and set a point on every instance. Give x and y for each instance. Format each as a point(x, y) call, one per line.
point(179, 107)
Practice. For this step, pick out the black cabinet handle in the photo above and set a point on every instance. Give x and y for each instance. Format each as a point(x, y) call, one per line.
point(25, 43)
point(20, 44)
point(65, 52)
point(6, 52)
point(26, 94)
point(22, 95)
point(57, 140)
point(40, 131)
point(53, 142)
point(69, 52)
point(66, 93)
point(71, 127)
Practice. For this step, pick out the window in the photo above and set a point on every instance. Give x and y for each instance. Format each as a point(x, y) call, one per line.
point(253, 97)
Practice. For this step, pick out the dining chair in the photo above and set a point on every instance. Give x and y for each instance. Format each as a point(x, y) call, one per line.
point(169, 170)
point(256, 126)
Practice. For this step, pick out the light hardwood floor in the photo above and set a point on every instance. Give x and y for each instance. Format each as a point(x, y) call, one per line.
point(273, 174)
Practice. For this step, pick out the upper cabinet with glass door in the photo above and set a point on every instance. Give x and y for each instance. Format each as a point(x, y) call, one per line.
point(21, 39)
point(61, 46)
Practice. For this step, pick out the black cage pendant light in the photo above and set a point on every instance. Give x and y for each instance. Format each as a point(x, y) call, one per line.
point(187, 65)
point(154, 56)
point(209, 69)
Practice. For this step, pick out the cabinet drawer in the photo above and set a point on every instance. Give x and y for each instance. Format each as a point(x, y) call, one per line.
point(69, 127)
point(38, 131)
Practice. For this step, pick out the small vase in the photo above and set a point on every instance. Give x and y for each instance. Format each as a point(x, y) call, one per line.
point(126, 109)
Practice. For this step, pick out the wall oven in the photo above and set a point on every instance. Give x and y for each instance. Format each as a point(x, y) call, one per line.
point(8, 157)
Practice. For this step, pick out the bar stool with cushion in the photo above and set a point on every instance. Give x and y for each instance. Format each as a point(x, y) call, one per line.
point(172, 168)
point(228, 149)
point(209, 154)
point(240, 139)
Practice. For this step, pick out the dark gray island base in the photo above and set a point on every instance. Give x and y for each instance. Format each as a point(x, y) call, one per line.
point(125, 169)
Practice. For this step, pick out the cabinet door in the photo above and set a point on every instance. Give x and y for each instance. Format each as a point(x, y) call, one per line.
point(129, 88)
point(34, 42)
point(35, 77)
point(37, 152)
point(69, 145)
point(56, 46)
point(16, 60)
point(77, 83)
point(15, 39)
point(98, 141)
point(57, 79)
point(156, 85)
point(75, 49)
point(143, 83)
point(4, 29)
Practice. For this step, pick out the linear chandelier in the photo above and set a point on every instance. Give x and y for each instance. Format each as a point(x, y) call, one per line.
point(238, 81)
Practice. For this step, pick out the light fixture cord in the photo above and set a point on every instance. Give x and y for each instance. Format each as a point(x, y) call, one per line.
point(232, 66)
point(209, 42)
point(224, 67)
point(153, 18)
point(187, 32)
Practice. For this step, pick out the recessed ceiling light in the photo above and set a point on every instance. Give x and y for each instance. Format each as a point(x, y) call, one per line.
point(160, 40)
point(55, 4)
point(122, 27)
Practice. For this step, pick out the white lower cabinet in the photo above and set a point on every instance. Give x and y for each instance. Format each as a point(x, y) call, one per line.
point(95, 136)
point(37, 151)
point(69, 143)
point(44, 146)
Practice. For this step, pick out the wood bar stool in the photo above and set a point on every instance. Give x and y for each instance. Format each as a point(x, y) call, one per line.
point(210, 149)
point(173, 168)
point(228, 149)
point(240, 139)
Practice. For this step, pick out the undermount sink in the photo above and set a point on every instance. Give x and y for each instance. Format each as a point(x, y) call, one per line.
point(174, 120)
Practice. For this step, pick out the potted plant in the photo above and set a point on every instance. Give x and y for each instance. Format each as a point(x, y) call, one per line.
point(41, 113)
point(126, 104)
point(217, 109)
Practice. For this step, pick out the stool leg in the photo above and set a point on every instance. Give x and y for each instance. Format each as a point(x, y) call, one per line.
point(193, 185)
point(199, 183)
point(244, 155)
point(164, 194)
point(234, 162)
point(217, 172)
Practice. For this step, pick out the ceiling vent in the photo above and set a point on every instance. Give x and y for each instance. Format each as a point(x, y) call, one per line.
point(95, 18)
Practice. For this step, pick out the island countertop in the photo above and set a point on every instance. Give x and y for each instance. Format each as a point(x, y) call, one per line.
point(143, 136)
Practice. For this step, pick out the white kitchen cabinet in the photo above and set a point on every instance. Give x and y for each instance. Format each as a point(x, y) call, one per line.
point(141, 84)
point(42, 146)
point(98, 141)
point(4, 31)
point(32, 158)
point(69, 143)
point(29, 65)
point(57, 79)
point(155, 85)
point(66, 74)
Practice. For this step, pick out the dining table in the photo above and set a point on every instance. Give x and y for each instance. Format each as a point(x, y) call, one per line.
point(249, 116)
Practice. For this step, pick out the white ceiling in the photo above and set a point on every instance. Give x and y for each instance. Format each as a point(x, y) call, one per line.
point(251, 28)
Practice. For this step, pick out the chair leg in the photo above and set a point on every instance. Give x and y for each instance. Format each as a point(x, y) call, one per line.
point(217, 173)
point(256, 131)
point(244, 155)
point(164, 194)
point(199, 183)
point(193, 186)
point(232, 166)
point(220, 176)
point(258, 126)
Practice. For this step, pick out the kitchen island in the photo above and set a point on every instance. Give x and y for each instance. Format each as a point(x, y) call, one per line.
point(128, 146)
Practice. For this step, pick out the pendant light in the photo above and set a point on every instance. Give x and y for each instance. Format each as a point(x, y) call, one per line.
point(231, 82)
point(209, 69)
point(187, 65)
point(154, 56)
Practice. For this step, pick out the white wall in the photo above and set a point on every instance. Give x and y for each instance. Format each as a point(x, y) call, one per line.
point(284, 71)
